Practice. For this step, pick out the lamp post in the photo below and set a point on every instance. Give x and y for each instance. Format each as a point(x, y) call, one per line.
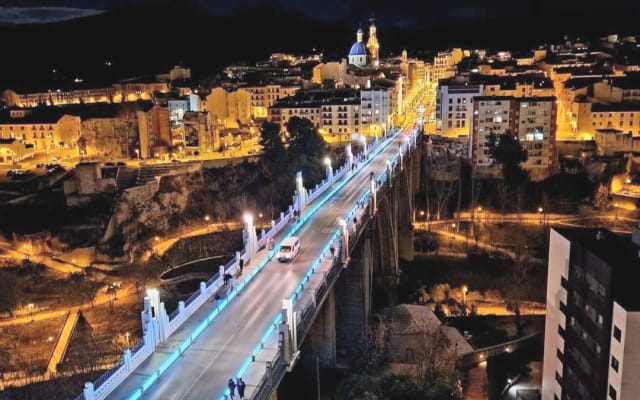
point(465, 289)
point(453, 230)
point(616, 205)
point(540, 211)
point(31, 307)
point(126, 335)
point(206, 221)
point(327, 163)
point(137, 154)
point(260, 220)
point(364, 145)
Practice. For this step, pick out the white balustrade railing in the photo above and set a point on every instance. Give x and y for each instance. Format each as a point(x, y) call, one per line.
point(132, 360)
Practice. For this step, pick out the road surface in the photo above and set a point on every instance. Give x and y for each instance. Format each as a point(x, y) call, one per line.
point(220, 350)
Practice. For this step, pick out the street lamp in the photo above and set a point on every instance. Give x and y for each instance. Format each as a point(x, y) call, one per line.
point(363, 139)
point(453, 230)
point(465, 289)
point(260, 219)
point(540, 211)
point(137, 153)
point(616, 205)
point(31, 307)
point(206, 221)
point(126, 335)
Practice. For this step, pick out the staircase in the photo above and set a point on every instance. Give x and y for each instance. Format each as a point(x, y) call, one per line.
point(147, 173)
point(59, 350)
point(126, 177)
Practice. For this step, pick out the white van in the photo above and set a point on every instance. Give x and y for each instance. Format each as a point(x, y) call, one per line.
point(288, 249)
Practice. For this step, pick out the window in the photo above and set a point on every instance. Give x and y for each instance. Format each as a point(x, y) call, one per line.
point(615, 364)
point(612, 393)
point(617, 334)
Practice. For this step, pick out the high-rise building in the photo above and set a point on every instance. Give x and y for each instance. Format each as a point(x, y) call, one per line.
point(592, 325)
point(530, 119)
point(453, 107)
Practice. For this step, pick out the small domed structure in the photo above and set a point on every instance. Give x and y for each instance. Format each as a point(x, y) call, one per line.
point(358, 52)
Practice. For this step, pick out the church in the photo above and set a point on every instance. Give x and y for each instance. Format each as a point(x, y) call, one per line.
point(363, 56)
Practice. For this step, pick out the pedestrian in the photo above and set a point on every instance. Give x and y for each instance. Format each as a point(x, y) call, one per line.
point(226, 279)
point(332, 250)
point(232, 388)
point(241, 385)
point(241, 264)
point(355, 220)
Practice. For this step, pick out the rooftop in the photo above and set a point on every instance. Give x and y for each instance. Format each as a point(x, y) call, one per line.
point(611, 107)
point(619, 253)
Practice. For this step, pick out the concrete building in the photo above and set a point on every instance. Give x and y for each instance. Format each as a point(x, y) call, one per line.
point(154, 130)
point(592, 322)
point(263, 97)
point(45, 128)
point(453, 107)
point(217, 106)
point(444, 64)
point(375, 105)
point(198, 135)
point(239, 107)
point(13, 151)
point(339, 113)
point(531, 119)
point(178, 106)
point(614, 141)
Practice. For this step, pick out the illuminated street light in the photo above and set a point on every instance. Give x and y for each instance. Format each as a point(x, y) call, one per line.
point(540, 211)
point(616, 205)
point(137, 153)
point(327, 162)
point(31, 307)
point(363, 139)
point(157, 239)
point(453, 230)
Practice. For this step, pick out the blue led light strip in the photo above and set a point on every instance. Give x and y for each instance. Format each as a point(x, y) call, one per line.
point(305, 279)
point(216, 311)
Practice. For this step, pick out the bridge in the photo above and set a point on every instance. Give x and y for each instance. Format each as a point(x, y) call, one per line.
point(256, 328)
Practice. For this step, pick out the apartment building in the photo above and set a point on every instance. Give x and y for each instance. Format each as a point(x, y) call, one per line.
point(531, 119)
point(338, 113)
point(454, 102)
point(592, 323)
point(263, 97)
point(44, 128)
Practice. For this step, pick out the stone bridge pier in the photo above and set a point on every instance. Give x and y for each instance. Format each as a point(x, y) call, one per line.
point(370, 278)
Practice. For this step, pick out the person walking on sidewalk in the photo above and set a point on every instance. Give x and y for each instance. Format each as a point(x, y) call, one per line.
point(232, 388)
point(241, 264)
point(332, 249)
point(241, 385)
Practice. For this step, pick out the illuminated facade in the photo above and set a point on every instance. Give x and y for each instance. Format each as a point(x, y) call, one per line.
point(373, 45)
point(531, 119)
point(453, 107)
point(154, 130)
point(263, 97)
point(44, 129)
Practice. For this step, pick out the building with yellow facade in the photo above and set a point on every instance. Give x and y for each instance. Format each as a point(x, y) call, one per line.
point(44, 128)
point(263, 97)
point(154, 130)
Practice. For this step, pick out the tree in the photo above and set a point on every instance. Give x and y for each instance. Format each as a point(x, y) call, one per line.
point(11, 293)
point(306, 149)
point(509, 153)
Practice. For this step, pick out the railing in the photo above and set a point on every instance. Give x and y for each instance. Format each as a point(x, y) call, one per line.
point(484, 354)
point(112, 378)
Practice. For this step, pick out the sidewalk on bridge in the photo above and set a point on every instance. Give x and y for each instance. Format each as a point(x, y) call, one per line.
point(164, 350)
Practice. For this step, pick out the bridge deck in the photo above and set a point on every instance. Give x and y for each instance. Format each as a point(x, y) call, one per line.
point(218, 353)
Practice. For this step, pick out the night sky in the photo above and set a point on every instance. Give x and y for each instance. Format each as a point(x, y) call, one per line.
point(415, 13)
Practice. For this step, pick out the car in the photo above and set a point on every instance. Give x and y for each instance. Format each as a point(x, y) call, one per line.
point(121, 164)
point(109, 164)
point(288, 249)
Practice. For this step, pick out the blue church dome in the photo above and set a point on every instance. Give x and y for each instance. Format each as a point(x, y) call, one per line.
point(358, 49)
